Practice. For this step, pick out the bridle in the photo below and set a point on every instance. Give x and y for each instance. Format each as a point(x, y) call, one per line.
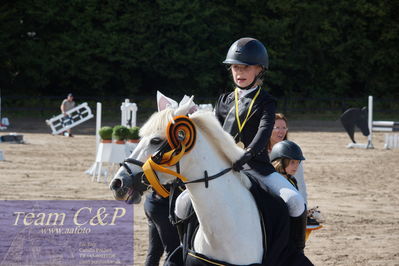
point(168, 155)
point(150, 178)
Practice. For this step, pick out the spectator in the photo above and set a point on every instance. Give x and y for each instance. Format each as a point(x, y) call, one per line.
point(66, 105)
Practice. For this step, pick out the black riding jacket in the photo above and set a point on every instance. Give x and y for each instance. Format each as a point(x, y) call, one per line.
point(258, 128)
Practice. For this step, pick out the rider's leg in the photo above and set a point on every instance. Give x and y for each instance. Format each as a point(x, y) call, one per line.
point(298, 230)
point(182, 205)
point(182, 211)
point(280, 186)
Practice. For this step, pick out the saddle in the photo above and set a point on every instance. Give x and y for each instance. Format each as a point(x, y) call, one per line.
point(276, 230)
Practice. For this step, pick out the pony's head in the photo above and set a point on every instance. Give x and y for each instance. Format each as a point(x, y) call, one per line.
point(167, 131)
point(173, 146)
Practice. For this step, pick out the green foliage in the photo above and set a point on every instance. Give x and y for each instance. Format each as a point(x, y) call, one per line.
point(105, 133)
point(134, 133)
point(120, 132)
point(317, 48)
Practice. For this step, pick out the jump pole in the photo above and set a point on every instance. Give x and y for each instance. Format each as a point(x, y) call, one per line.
point(93, 170)
point(98, 124)
point(370, 122)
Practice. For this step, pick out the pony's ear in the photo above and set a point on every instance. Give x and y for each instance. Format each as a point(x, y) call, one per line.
point(164, 102)
point(186, 106)
point(193, 108)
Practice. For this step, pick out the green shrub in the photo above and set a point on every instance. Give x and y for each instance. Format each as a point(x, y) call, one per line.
point(134, 133)
point(105, 133)
point(120, 132)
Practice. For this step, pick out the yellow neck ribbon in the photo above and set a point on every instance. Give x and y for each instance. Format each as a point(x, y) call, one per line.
point(241, 125)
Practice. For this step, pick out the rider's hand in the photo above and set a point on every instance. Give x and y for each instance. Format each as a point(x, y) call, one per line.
point(238, 165)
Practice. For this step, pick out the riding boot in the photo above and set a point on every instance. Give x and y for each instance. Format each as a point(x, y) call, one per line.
point(298, 230)
point(181, 227)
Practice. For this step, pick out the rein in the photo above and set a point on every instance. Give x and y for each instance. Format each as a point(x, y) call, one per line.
point(149, 168)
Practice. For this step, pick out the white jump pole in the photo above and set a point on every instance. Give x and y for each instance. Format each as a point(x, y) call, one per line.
point(370, 122)
point(93, 170)
point(98, 125)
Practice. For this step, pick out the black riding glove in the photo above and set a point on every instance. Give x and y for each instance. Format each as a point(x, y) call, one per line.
point(238, 165)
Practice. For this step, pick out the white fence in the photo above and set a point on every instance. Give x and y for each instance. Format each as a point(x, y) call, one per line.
point(74, 117)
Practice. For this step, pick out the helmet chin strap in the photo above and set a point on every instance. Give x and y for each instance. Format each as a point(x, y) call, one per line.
point(257, 77)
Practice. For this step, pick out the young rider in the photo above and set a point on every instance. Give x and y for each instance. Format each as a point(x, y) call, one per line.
point(248, 114)
point(285, 157)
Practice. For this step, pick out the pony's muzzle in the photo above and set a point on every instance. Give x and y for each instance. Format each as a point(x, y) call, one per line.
point(120, 186)
point(128, 188)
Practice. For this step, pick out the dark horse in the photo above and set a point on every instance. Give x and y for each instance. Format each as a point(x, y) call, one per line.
point(355, 117)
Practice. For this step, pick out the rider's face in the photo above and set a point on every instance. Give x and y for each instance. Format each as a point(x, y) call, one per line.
point(292, 167)
point(244, 75)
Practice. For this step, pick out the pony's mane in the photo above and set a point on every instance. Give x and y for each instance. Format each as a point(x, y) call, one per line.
point(157, 123)
point(209, 125)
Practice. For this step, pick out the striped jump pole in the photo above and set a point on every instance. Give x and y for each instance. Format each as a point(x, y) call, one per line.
point(385, 126)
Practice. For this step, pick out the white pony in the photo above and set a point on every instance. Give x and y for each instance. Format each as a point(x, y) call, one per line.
point(230, 227)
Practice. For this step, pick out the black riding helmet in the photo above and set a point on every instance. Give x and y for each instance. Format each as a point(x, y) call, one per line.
point(286, 149)
point(248, 51)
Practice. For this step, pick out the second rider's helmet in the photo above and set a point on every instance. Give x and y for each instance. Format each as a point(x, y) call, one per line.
point(286, 149)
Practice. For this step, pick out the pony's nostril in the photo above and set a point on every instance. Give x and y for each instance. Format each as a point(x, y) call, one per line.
point(116, 184)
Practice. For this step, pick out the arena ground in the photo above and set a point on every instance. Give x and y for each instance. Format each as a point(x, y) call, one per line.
point(356, 190)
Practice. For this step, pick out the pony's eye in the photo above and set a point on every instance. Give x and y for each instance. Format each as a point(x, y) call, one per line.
point(156, 141)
